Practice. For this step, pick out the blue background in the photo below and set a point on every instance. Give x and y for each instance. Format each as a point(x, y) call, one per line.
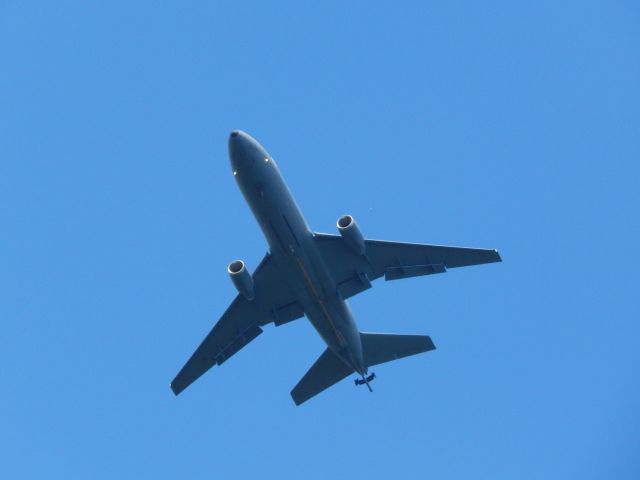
point(501, 125)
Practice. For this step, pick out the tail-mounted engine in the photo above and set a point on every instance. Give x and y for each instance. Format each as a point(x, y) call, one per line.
point(351, 234)
point(241, 278)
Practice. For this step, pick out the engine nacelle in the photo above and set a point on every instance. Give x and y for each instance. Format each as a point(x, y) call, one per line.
point(351, 234)
point(241, 278)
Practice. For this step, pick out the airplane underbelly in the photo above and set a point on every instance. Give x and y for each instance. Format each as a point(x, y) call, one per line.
point(318, 320)
point(293, 244)
point(333, 320)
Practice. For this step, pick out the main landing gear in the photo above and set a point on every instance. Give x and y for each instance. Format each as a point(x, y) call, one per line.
point(365, 381)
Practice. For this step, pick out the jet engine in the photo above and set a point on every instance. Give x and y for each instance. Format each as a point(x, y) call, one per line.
point(241, 278)
point(351, 234)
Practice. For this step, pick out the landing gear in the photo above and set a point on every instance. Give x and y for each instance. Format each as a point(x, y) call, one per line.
point(365, 381)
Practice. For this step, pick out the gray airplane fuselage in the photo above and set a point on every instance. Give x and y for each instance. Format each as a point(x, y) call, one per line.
point(311, 274)
point(292, 248)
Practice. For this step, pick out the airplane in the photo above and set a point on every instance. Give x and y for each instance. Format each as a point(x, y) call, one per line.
point(312, 274)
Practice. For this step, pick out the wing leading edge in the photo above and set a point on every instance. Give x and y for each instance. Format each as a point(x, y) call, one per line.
point(393, 260)
point(241, 323)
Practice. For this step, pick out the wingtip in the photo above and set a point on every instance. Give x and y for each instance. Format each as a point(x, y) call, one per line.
point(175, 389)
point(296, 401)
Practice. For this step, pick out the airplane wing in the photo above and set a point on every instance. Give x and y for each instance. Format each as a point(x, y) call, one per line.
point(353, 273)
point(241, 323)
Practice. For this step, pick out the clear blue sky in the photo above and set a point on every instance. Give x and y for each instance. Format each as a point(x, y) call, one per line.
point(507, 126)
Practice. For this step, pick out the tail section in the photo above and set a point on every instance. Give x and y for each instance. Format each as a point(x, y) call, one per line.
point(377, 348)
point(328, 370)
point(383, 347)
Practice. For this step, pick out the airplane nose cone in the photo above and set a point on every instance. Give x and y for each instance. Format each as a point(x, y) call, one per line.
point(238, 144)
point(243, 150)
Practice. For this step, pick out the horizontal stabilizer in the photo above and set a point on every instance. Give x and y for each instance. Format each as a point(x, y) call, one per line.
point(328, 370)
point(384, 347)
